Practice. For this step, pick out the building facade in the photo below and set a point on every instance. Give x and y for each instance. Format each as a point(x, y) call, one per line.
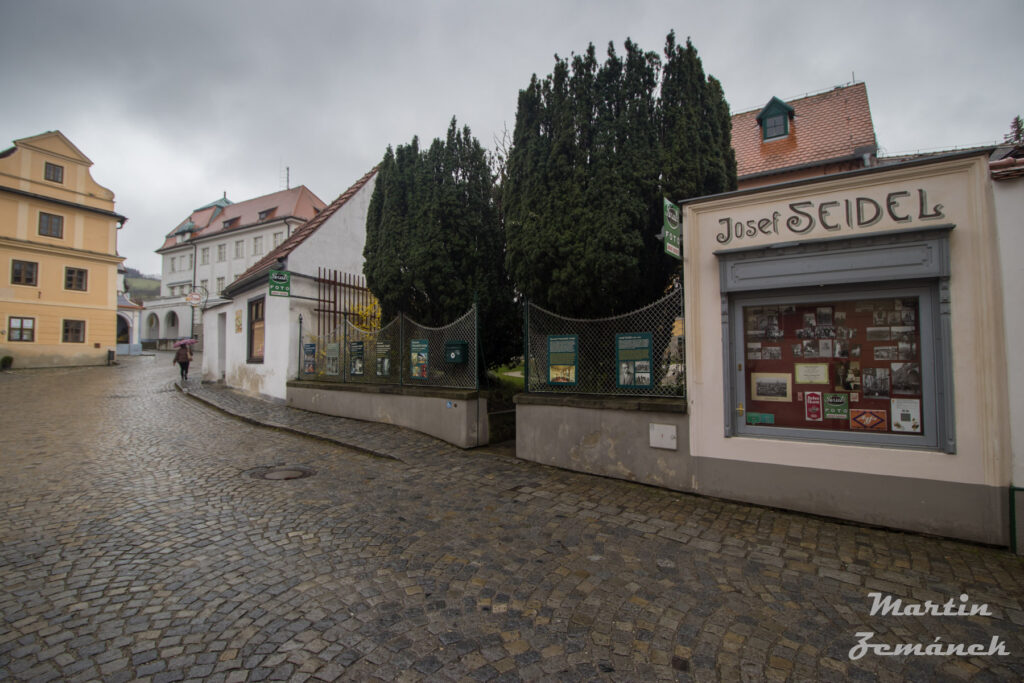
point(848, 350)
point(58, 248)
point(214, 245)
point(252, 337)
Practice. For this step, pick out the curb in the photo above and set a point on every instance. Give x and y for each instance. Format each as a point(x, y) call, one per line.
point(283, 428)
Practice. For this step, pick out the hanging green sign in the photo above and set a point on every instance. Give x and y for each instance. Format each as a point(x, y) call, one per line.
point(280, 283)
point(672, 230)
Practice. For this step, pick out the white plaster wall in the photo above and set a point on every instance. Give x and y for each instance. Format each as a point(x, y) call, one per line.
point(963, 187)
point(1009, 203)
point(338, 243)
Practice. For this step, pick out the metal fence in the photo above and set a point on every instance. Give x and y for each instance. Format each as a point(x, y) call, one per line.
point(402, 352)
point(635, 354)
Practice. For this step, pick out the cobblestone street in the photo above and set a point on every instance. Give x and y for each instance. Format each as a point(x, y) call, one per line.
point(138, 542)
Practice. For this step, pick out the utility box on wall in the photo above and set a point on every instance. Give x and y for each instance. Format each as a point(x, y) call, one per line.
point(456, 352)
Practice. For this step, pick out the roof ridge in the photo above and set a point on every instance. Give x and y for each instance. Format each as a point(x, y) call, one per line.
point(303, 232)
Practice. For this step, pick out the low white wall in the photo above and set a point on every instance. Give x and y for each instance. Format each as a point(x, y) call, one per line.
point(458, 417)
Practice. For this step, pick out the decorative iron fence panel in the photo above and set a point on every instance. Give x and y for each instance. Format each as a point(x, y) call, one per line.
point(402, 352)
point(641, 353)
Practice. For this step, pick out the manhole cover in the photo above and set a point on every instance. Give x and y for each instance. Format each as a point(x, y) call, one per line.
point(282, 472)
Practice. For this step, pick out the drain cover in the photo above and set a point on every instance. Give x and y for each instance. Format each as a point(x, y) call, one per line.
point(285, 474)
point(282, 472)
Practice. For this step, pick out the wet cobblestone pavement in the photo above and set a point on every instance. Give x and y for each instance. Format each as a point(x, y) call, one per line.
point(138, 542)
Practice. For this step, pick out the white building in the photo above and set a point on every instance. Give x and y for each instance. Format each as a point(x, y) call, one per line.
point(1007, 170)
point(251, 338)
point(213, 246)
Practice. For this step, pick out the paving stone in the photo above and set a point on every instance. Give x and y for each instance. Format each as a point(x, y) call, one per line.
point(137, 546)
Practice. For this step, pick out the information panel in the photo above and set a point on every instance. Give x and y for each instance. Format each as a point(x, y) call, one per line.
point(355, 358)
point(633, 354)
point(418, 358)
point(563, 358)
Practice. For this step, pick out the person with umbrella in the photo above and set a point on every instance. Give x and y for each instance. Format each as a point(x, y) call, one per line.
point(183, 356)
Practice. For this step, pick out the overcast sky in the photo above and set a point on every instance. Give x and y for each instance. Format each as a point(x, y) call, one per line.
point(178, 102)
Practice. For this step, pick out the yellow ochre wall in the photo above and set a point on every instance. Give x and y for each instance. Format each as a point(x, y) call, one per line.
point(89, 242)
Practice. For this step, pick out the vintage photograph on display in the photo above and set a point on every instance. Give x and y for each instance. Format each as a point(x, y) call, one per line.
point(876, 334)
point(771, 353)
point(824, 315)
point(771, 386)
point(906, 378)
point(876, 382)
point(848, 376)
point(885, 353)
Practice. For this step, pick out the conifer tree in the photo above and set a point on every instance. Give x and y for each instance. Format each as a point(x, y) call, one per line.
point(434, 240)
point(595, 147)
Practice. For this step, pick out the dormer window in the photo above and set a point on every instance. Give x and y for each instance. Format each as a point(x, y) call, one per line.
point(267, 213)
point(774, 120)
point(230, 223)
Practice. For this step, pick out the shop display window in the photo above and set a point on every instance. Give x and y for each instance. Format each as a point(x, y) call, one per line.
point(853, 366)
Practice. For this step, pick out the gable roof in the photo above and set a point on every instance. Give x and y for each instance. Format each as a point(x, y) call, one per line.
point(827, 127)
point(301, 234)
point(209, 220)
point(53, 142)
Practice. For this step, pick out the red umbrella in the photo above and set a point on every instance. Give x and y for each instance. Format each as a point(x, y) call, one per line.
point(185, 342)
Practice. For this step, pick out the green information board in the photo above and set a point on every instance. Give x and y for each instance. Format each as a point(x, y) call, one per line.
point(418, 358)
point(563, 356)
point(633, 354)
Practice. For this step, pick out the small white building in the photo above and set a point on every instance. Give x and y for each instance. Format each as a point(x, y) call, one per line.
point(213, 246)
point(252, 338)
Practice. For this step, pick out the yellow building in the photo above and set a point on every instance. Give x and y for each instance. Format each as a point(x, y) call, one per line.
point(58, 255)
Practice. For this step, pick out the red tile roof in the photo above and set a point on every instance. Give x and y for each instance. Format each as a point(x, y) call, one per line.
point(297, 202)
point(826, 127)
point(306, 229)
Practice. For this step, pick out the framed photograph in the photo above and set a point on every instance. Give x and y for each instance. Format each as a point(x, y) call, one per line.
point(824, 348)
point(905, 333)
point(754, 351)
point(771, 386)
point(771, 353)
point(824, 315)
point(906, 378)
point(885, 353)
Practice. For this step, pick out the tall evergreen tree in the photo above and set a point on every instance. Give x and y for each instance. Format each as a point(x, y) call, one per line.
point(434, 240)
point(594, 149)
